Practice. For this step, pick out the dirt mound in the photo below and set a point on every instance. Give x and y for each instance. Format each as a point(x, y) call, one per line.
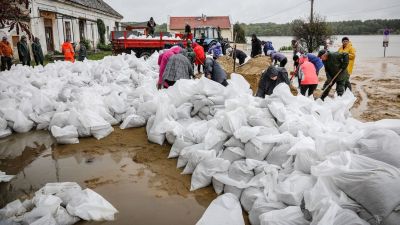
point(251, 70)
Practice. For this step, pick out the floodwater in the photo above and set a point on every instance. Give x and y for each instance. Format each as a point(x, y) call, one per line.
point(367, 46)
point(132, 174)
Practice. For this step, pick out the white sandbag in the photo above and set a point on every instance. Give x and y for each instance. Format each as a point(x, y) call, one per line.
point(204, 171)
point(195, 157)
point(115, 103)
point(261, 206)
point(65, 135)
point(233, 154)
point(290, 190)
point(291, 215)
point(234, 120)
point(391, 124)
point(213, 137)
point(234, 142)
point(392, 219)
point(249, 196)
point(5, 133)
point(4, 177)
point(62, 217)
point(306, 154)
point(14, 208)
point(64, 190)
point(185, 153)
point(157, 138)
point(60, 119)
point(45, 220)
point(278, 155)
point(259, 147)
point(223, 210)
point(91, 206)
point(371, 183)
point(345, 217)
point(382, 145)
point(218, 186)
point(3, 124)
point(183, 111)
point(133, 121)
point(278, 110)
point(177, 147)
point(238, 171)
point(247, 133)
point(21, 123)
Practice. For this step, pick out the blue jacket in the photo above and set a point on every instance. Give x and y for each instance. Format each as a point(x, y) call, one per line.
point(316, 61)
point(216, 50)
point(268, 46)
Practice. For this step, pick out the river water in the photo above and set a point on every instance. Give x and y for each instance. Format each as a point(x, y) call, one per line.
point(367, 46)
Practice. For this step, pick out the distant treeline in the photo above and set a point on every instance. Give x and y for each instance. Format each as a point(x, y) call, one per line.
point(354, 27)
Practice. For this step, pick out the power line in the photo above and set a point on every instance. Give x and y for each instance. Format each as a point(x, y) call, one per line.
point(364, 11)
point(282, 11)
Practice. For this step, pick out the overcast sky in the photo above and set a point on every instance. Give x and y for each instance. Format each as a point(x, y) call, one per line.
point(257, 11)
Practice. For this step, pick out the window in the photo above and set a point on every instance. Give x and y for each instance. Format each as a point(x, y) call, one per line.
point(68, 31)
point(82, 25)
point(116, 26)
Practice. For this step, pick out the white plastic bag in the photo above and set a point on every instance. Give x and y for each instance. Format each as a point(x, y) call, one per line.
point(133, 121)
point(291, 215)
point(204, 171)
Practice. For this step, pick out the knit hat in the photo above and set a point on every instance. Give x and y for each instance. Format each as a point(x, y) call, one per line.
point(272, 71)
point(345, 39)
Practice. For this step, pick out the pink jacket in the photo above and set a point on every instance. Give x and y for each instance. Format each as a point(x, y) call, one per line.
point(309, 74)
point(163, 60)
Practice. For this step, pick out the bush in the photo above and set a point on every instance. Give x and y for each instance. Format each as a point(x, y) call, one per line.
point(101, 27)
point(286, 48)
point(240, 33)
point(104, 47)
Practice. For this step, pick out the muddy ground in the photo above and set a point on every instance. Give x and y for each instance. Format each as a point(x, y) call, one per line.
point(136, 176)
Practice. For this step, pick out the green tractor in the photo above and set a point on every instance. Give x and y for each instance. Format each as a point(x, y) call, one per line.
point(209, 36)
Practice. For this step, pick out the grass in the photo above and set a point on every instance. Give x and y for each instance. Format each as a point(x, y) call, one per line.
point(99, 55)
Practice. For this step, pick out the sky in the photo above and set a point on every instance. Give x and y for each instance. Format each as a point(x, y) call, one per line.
point(257, 11)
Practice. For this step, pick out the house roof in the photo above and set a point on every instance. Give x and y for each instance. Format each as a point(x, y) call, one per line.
point(179, 22)
point(99, 5)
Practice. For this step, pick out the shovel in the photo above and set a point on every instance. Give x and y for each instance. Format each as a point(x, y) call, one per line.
point(328, 88)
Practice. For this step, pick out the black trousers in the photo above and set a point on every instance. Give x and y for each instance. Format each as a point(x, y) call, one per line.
point(6, 63)
point(225, 83)
point(199, 67)
point(39, 61)
point(311, 88)
point(283, 63)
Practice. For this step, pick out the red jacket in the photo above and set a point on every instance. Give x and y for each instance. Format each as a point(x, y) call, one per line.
point(6, 49)
point(200, 56)
point(68, 51)
point(307, 72)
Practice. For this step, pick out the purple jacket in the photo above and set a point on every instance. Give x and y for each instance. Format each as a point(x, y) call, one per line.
point(278, 56)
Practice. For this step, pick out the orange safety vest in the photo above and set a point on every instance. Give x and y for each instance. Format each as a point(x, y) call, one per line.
point(68, 50)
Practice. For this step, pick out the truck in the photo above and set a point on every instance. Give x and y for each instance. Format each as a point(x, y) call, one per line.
point(143, 46)
point(208, 36)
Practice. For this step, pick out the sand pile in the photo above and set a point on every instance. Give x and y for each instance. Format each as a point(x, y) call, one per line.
point(251, 71)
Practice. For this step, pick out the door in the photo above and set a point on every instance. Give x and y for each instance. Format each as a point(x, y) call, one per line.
point(49, 38)
point(82, 25)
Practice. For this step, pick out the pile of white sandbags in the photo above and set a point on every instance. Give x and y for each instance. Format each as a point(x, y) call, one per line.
point(282, 157)
point(75, 100)
point(59, 204)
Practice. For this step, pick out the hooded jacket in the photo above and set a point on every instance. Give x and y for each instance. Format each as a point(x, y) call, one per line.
point(178, 67)
point(255, 46)
point(212, 67)
point(216, 50)
point(316, 61)
point(163, 60)
point(266, 85)
point(349, 49)
point(68, 51)
point(6, 49)
point(199, 51)
point(337, 61)
point(37, 50)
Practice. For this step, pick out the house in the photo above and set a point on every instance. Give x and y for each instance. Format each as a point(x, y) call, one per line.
point(53, 21)
point(177, 24)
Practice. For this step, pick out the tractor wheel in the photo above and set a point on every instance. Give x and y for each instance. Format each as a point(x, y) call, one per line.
point(146, 55)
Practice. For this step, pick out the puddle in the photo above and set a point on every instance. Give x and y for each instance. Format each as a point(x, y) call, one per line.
point(131, 173)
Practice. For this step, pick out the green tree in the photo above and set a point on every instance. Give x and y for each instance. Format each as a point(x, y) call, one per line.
point(102, 31)
point(239, 32)
point(312, 34)
point(161, 27)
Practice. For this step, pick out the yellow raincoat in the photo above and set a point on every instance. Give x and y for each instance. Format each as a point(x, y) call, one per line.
point(352, 55)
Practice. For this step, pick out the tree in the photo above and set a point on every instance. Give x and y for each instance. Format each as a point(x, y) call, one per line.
point(101, 28)
point(239, 32)
point(313, 34)
point(14, 14)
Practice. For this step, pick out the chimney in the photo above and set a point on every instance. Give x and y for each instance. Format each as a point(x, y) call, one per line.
point(205, 18)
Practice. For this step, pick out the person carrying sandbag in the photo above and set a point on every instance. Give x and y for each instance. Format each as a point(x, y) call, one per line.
point(270, 79)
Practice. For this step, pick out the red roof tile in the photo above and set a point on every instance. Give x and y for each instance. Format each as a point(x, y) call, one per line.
point(179, 22)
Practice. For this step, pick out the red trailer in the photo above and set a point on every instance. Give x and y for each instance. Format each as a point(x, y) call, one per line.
point(141, 46)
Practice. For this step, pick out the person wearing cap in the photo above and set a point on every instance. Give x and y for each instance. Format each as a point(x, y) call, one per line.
point(347, 47)
point(277, 57)
point(335, 63)
point(270, 79)
point(151, 26)
point(23, 51)
point(6, 53)
point(213, 71)
point(216, 50)
point(237, 54)
point(255, 46)
point(68, 50)
point(37, 51)
point(307, 76)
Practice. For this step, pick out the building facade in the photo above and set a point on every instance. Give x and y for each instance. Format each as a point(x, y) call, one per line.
point(54, 21)
point(177, 24)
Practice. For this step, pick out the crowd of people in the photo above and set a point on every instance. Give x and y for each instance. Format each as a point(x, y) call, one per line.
point(25, 52)
point(338, 67)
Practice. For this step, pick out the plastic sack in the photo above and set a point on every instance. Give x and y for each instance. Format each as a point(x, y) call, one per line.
point(278, 155)
point(261, 206)
point(234, 120)
point(89, 205)
point(183, 111)
point(249, 196)
point(225, 209)
point(65, 135)
point(238, 171)
point(21, 123)
point(154, 137)
point(371, 183)
point(291, 215)
point(290, 191)
point(233, 154)
point(234, 142)
point(177, 147)
point(247, 133)
point(213, 137)
point(195, 157)
point(133, 121)
point(204, 171)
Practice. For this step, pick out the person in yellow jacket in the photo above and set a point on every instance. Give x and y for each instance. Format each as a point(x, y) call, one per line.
point(349, 49)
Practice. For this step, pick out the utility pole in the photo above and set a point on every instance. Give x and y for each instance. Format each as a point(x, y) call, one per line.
point(312, 11)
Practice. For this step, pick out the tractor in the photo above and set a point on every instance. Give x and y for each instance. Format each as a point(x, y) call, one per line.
point(209, 36)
